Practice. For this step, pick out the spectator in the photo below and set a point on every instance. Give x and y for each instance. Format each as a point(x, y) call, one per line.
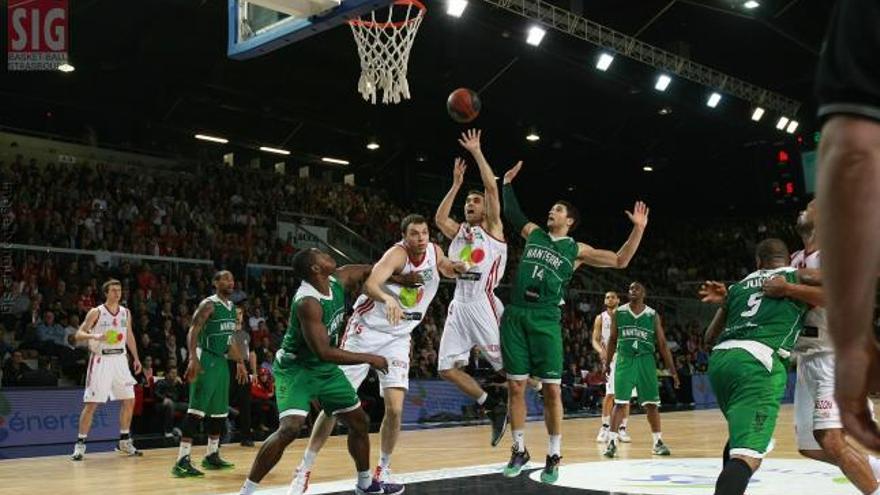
point(14, 369)
point(43, 376)
point(263, 401)
point(170, 399)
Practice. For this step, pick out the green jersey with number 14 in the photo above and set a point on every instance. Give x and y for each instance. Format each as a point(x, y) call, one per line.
point(545, 269)
point(773, 322)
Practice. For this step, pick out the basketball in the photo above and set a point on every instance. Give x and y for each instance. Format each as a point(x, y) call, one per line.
point(463, 105)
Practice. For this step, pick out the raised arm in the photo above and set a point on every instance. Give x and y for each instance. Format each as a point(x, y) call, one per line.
point(392, 261)
point(201, 316)
point(470, 140)
point(716, 327)
point(609, 259)
point(444, 222)
point(512, 211)
point(664, 349)
point(597, 338)
point(310, 313)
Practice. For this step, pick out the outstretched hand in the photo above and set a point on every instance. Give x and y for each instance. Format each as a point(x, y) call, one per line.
point(639, 215)
point(511, 174)
point(713, 292)
point(458, 172)
point(470, 140)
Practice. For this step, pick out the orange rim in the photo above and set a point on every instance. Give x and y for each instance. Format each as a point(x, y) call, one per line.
point(384, 25)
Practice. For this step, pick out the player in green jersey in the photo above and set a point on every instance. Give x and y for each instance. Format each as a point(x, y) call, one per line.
point(634, 329)
point(208, 343)
point(531, 334)
point(747, 368)
point(306, 368)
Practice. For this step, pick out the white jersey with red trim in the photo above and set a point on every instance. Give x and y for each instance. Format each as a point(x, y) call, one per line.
point(814, 337)
point(485, 255)
point(414, 301)
point(606, 328)
point(114, 326)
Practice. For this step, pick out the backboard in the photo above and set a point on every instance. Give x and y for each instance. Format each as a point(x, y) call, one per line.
point(257, 27)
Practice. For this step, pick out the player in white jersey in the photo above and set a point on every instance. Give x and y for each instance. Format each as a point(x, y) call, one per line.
point(818, 429)
point(107, 328)
point(601, 336)
point(475, 312)
point(384, 317)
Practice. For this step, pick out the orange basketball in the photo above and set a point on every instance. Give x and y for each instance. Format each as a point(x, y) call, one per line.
point(463, 105)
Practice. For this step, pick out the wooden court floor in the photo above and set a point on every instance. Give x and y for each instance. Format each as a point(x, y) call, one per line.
point(688, 434)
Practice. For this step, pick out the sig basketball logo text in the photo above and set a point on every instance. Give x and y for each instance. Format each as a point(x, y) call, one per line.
point(37, 34)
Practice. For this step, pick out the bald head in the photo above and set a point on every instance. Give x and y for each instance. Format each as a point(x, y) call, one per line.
point(771, 253)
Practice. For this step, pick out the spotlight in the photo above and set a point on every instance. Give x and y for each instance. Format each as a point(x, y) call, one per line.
point(533, 136)
point(783, 121)
point(213, 139)
point(751, 4)
point(757, 114)
point(792, 126)
point(372, 146)
point(337, 161)
point(536, 34)
point(604, 61)
point(277, 151)
point(456, 7)
point(713, 101)
point(662, 82)
point(65, 67)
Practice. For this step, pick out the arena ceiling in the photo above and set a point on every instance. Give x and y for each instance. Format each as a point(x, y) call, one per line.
point(150, 74)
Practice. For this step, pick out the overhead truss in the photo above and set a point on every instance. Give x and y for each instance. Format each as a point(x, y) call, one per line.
point(622, 44)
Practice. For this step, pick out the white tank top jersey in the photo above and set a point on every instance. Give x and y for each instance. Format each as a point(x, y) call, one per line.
point(814, 337)
point(414, 301)
point(114, 326)
point(486, 256)
point(606, 328)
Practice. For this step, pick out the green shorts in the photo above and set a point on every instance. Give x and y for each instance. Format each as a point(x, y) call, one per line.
point(297, 386)
point(749, 396)
point(531, 343)
point(209, 392)
point(639, 372)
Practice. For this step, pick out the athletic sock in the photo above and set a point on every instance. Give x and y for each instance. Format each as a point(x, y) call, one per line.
point(81, 438)
point(213, 446)
point(124, 435)
point(875, 466)
point(248, 488)
point(734, 478)
point(184, 451)
point(384, 461)
point(606, 422)
point(519, 440)
point(555, 445)
point(623, 423)
point(482, 399)
point(656, 437)
point(308, 460)
point(365, 479)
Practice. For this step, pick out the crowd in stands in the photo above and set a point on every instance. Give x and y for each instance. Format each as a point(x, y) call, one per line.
point(221, 220)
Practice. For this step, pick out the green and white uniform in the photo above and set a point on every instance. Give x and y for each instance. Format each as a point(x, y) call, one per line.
point(747, 368)
point(300, 376)
point(209, 392)
point(634, 356)
point(531, 333)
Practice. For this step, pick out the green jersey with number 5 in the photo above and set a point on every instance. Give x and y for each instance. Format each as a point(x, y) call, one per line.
point(546, 267)
point(774, 322)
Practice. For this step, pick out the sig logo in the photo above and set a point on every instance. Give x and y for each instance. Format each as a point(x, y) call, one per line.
point(37, 34)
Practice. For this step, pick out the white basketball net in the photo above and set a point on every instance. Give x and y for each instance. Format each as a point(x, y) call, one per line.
point(383, 47)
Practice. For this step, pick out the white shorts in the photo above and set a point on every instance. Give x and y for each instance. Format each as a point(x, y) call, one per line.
point(469, 325)
point(814, 404)
point(394, 348)
point(108, 378)
point(609, 379)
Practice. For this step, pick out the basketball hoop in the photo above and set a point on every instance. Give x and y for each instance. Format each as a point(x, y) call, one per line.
point(384, 48)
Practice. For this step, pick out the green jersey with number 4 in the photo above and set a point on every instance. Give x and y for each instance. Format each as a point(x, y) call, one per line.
point(774, 322)
point(546, 267)
point(217, 332)
point(635, 332)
